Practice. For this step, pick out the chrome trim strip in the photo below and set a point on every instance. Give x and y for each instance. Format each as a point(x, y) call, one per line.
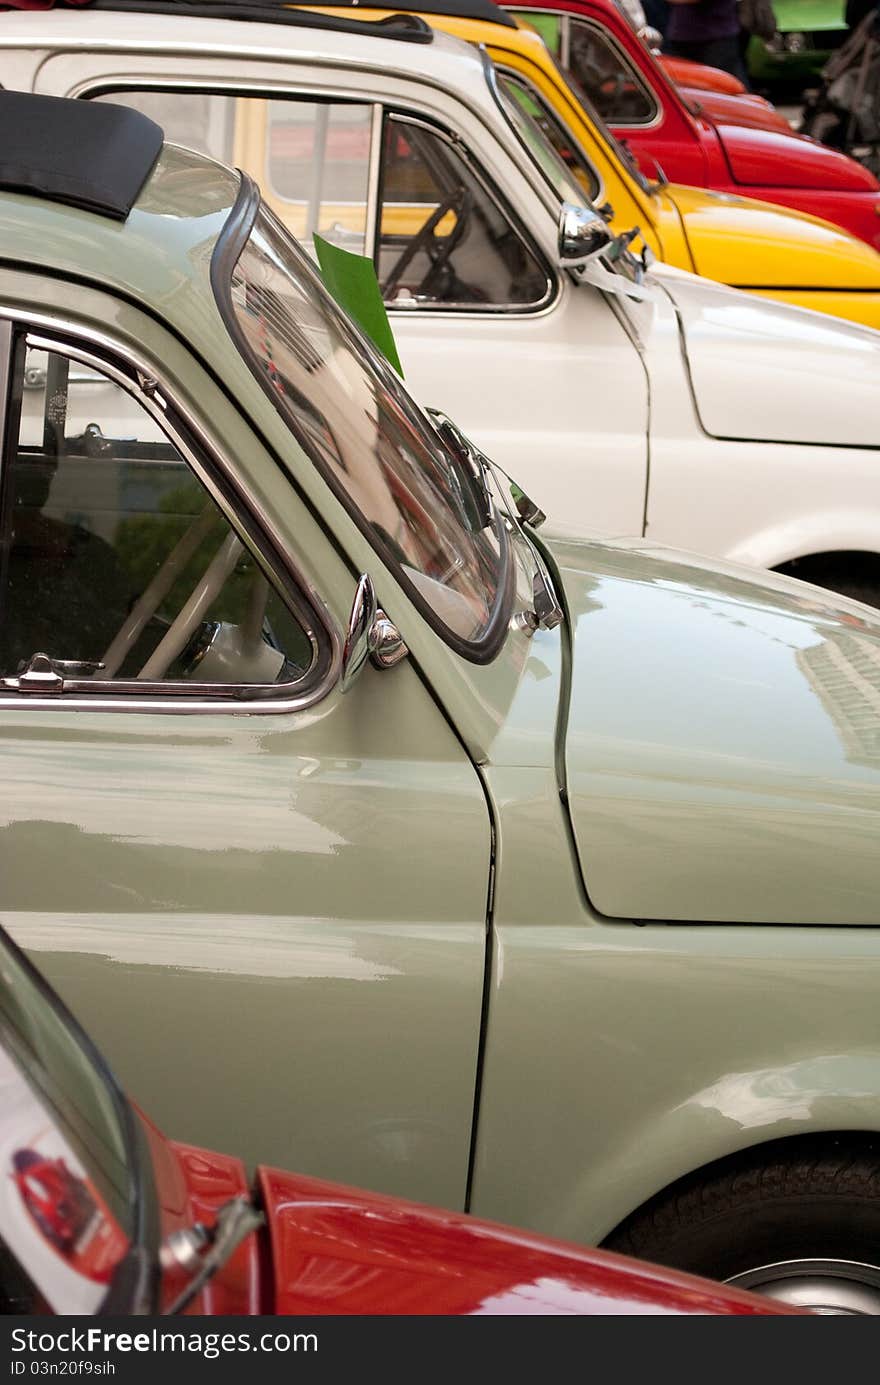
point(565, 40)
point(371, 225)
point(147, 384)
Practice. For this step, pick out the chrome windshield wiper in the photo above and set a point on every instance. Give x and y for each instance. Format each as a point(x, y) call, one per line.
point(203, 1250)
point(477, 503)
point(548, 610)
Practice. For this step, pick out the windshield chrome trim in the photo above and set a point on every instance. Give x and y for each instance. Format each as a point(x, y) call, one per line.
point(246, 518)
point(513, 73)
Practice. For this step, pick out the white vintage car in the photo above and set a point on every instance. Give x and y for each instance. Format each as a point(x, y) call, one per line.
point(634, 402)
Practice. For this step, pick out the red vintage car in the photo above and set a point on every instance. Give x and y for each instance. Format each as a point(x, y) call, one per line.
point(717, 141)
point(57, 1199)
point(191, 1235)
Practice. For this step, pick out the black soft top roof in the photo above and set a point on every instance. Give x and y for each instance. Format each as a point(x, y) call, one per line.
point(460, 9)
point(278, 12)
point(84, 153)
point(406, 25)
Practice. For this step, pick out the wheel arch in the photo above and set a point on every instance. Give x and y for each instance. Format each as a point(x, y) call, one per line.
point(771, 1148)
point(857, 565)
point(820, 1097)
point(811, 537)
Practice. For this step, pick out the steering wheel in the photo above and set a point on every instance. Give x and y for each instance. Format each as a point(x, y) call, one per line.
point(460, 202)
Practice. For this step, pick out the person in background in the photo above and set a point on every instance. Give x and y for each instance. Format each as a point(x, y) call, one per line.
point(707, 31)
point(657, 14)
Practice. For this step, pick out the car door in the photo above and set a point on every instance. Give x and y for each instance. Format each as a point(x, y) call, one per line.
point(540, 372)
point(238, 876)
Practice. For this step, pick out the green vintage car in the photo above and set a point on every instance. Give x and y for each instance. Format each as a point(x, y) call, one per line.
point(807, 32)
point(373, 828)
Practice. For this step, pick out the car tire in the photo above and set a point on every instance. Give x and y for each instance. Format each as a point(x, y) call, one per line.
point(801, 1227)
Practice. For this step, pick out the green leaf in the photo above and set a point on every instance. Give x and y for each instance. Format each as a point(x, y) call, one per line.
point(352, 281)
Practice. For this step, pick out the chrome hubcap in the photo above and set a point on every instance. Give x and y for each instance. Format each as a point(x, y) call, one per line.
point(831, 1287)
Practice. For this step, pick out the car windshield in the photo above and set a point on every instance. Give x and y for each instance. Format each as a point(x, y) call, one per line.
point(423, 508)
point(68, 1187)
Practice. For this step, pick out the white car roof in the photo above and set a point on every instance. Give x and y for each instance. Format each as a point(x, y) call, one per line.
point(445, 61)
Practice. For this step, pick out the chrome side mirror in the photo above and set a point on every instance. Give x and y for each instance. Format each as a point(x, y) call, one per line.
point(582, 234)
point(370, 635)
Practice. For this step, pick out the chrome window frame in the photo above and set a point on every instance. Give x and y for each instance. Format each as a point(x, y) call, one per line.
point(150, 387)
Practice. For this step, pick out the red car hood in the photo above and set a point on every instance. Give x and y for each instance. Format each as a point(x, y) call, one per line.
point(722, 109)
point(764, 158)
point(339, 1250)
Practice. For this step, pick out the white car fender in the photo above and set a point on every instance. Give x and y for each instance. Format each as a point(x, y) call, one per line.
point(850, 530)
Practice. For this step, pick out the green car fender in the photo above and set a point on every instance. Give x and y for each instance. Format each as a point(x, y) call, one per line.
point(620, 1056)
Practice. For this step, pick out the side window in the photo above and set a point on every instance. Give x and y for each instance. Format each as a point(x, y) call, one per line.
point(607, 76)
point(311, 159)
point(199, 120)
point(442, 238)
point(318, 167)
point(115, 562)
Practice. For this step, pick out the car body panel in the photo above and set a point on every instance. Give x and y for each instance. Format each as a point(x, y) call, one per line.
point(338, 1250)
point(206, 1243)
point(766, 159)
point(283, 801)
point(730, 342)
point(365, 986)
point(695, 787)
point(762, 260)
point(720, 107)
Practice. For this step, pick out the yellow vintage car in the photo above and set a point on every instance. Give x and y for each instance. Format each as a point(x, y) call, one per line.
point(752, 245)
